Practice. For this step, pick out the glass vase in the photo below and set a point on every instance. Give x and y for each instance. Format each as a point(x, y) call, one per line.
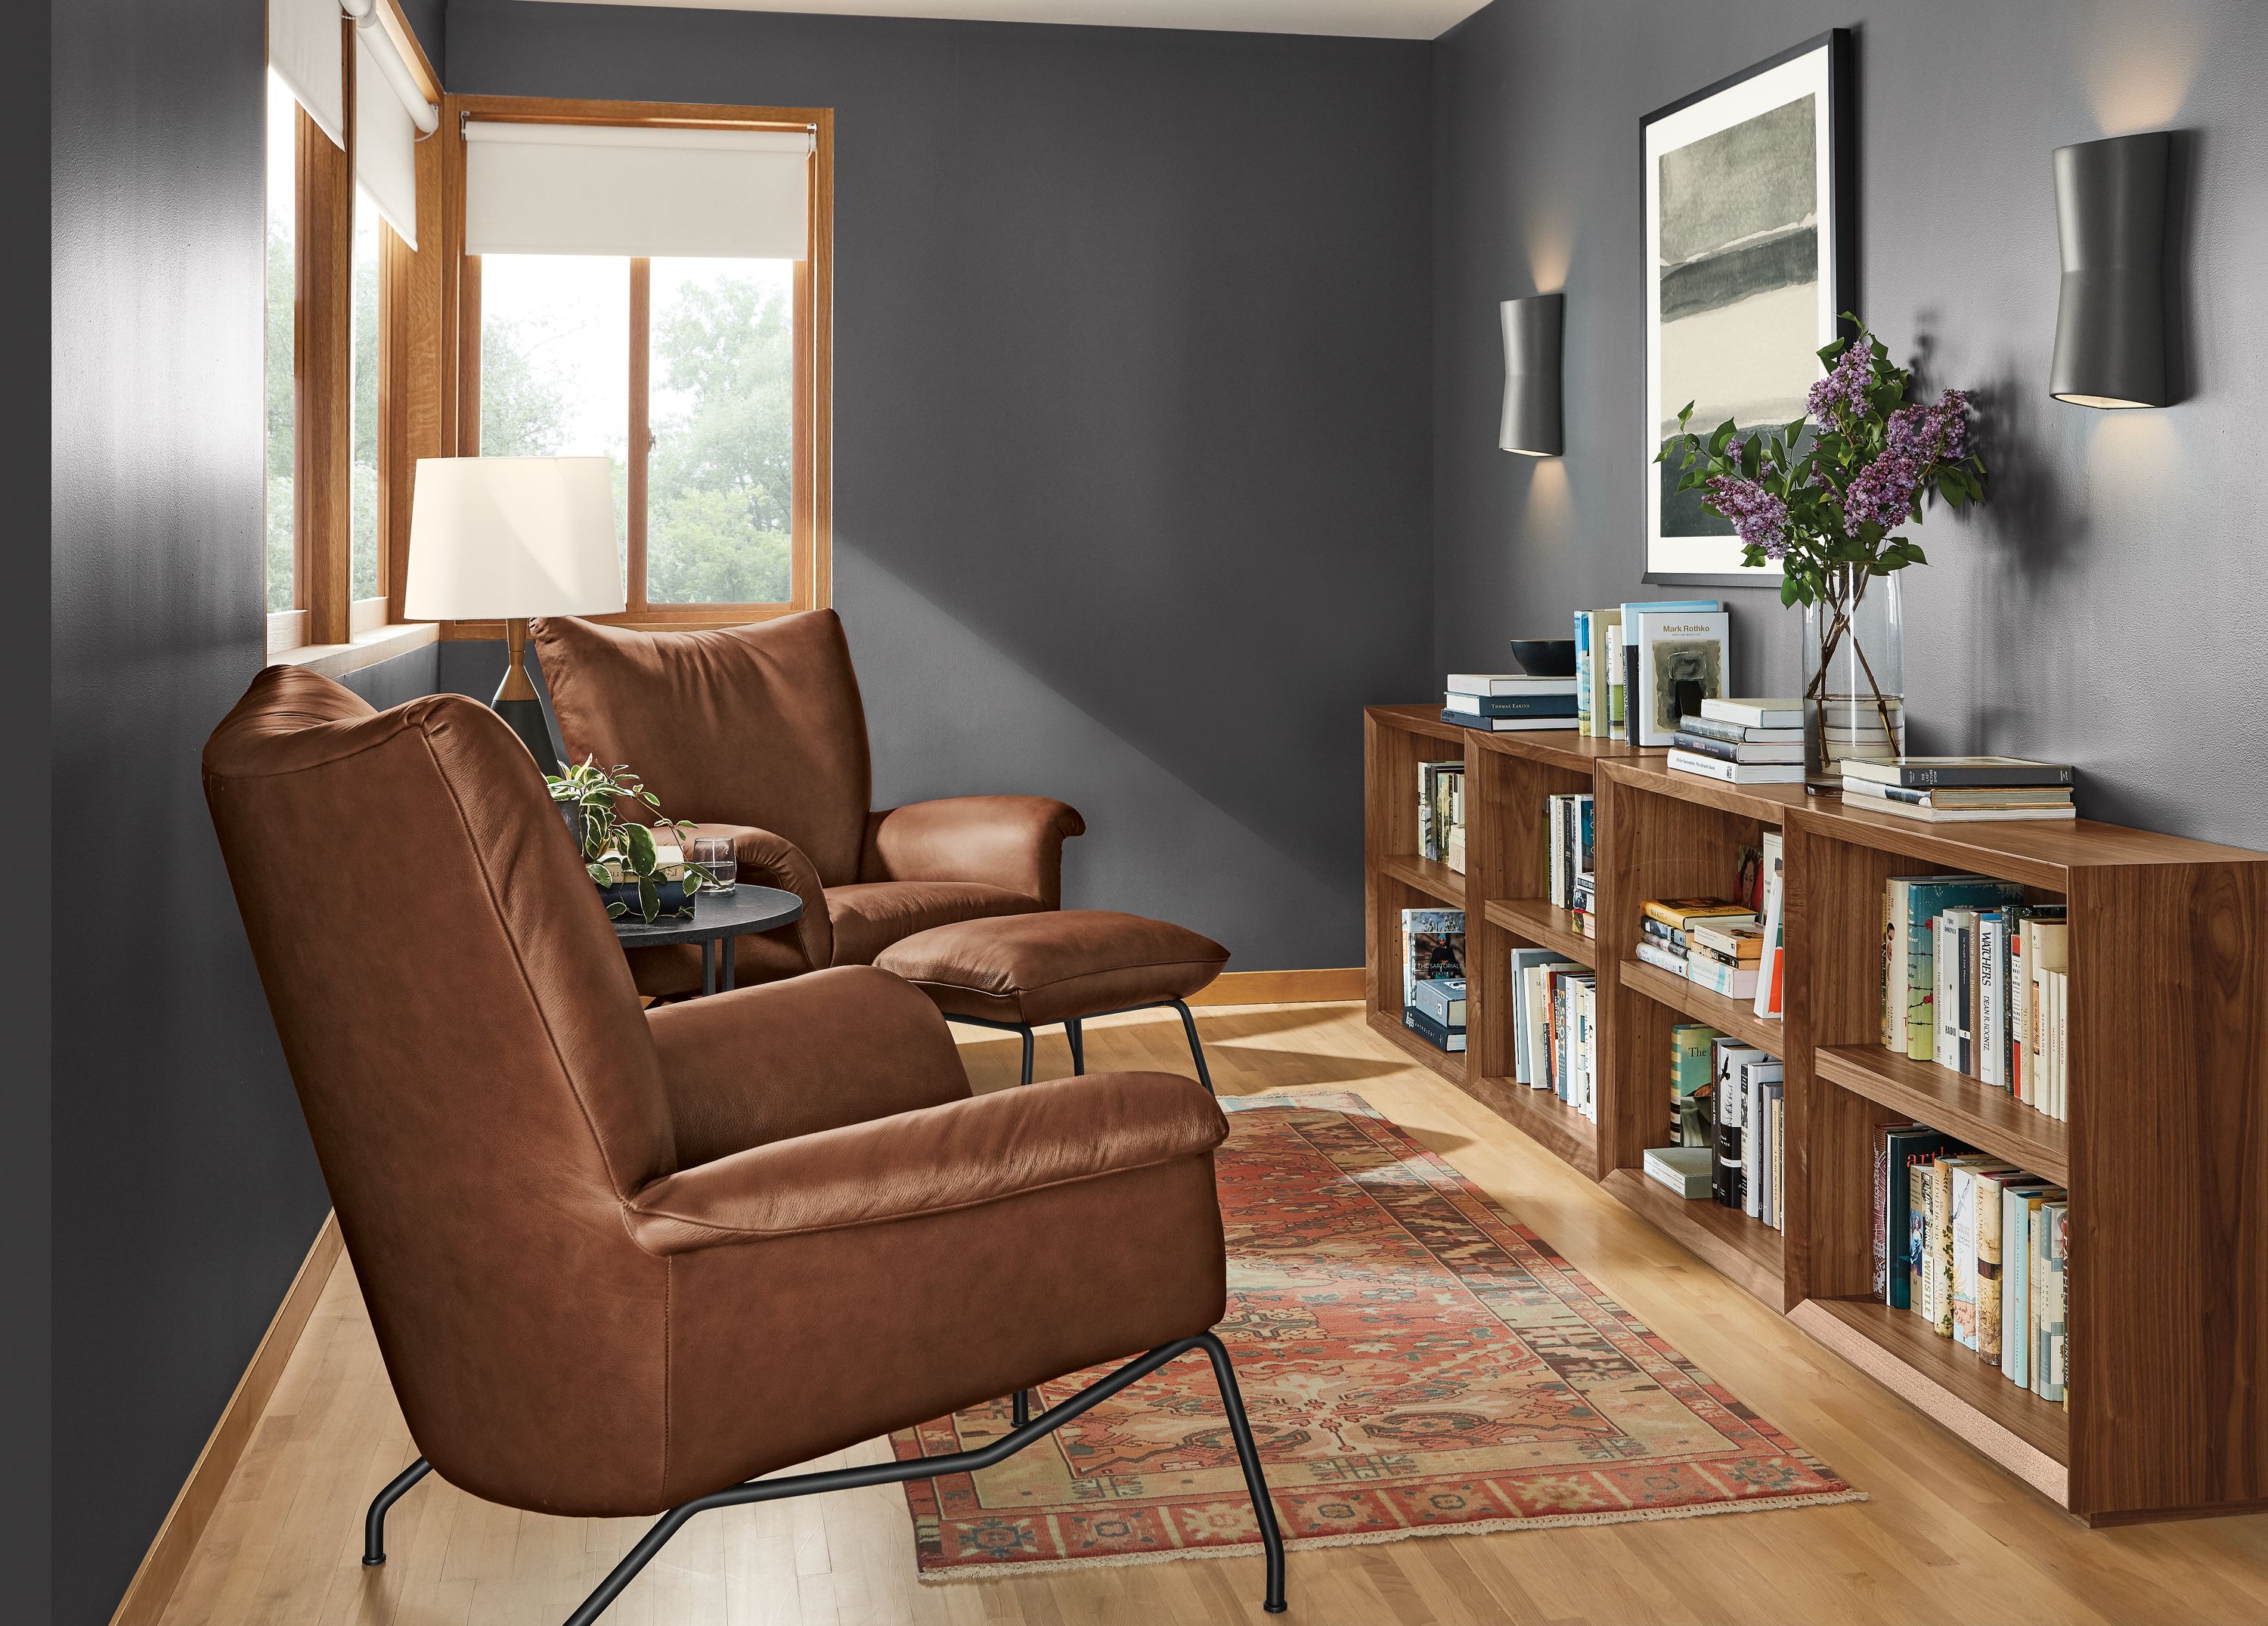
point(1854, 675)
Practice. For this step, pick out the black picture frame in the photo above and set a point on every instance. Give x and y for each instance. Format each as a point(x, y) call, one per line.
point(1838, 266)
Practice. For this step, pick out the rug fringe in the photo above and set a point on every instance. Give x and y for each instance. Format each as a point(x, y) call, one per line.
point(1374, 1538)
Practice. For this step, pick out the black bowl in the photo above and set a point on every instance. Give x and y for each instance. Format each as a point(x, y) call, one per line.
point(1545, 657)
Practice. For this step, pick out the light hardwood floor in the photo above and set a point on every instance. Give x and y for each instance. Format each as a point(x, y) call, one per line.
point(1947, 1536)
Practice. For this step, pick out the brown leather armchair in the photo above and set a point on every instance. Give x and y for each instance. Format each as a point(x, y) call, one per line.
point(757, 733)
point(622, 1261)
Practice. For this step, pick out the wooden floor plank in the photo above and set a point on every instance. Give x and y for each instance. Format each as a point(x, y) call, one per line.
point(1946, 1534)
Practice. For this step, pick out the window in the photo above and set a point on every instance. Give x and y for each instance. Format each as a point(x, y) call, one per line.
point(283, 279)
point(346, 102)
point(699, 376)
point(365, 546)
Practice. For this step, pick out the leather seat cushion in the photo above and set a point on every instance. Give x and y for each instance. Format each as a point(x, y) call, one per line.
point(1055, 967)
point(870, 915)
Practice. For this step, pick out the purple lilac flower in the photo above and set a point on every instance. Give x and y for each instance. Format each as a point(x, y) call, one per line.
point(1917, 439)
point(1759, 517)
point(1842, 394)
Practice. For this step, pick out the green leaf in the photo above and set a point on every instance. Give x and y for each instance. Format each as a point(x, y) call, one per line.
point(639, 841)
point(649, 899)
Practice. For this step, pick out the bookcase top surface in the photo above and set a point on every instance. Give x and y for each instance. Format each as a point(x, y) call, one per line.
point(2042, 852)
point(1561, 747)
point(1650, 771)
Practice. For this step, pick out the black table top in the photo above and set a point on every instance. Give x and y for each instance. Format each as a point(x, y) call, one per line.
point(733, 914)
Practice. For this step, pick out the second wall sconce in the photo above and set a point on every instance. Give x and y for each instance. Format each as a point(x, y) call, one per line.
point(1531, 376)
point(2110, 321)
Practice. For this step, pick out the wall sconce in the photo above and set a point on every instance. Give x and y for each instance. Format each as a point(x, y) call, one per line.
point(2110, 321)
point(1531, 376)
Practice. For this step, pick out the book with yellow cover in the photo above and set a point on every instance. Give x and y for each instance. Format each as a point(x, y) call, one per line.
point(1679, 913)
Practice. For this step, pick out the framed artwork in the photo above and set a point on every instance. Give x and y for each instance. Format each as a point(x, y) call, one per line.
point(1749, 235)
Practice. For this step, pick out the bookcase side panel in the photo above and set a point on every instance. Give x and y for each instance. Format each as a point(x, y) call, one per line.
point(1390, 759)
point(1834, 997)
point(2168, 1048)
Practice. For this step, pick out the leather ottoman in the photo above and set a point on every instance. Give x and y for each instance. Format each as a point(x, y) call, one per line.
point(1019, 972)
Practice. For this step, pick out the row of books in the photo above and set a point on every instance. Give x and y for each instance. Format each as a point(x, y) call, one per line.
point(1728, 1124)
point(1742, 742)
point(1570, 857)
point(1441, 813)
point(1642, 666)
point(1732, 946)
point(1433, 959)
point(1508, 702)
point(1977, 1249)
point(1555, 1027)
point(1974, 978)
point(1961, 789)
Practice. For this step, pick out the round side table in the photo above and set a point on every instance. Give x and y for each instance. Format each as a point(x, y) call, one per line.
point(717, 918)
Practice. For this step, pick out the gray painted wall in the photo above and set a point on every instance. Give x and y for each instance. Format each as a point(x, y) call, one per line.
point(1131, 418)
point(2103, 606)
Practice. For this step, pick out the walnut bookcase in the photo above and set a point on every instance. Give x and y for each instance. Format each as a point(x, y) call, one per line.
point(2165, 1151)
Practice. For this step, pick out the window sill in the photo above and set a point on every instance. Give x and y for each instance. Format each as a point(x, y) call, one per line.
point(367, 648)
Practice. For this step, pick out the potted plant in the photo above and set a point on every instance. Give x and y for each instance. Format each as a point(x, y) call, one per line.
point(634, 872)
point(1826, 498)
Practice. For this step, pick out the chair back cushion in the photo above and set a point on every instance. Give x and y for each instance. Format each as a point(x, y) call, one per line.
point(476, 1075)
point(758, 726)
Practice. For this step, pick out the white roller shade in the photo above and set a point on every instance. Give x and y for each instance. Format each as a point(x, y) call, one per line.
point(305, 48)
point(602, 190)
point(386, 140)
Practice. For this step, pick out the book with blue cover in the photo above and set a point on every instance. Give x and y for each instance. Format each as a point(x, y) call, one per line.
point(1449, 1039)
point(1909, 957)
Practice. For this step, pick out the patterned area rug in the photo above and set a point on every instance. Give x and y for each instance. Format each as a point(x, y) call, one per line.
point(1415, 1363)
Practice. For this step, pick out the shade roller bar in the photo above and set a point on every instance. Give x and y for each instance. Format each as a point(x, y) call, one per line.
point(638, 192)
point(305, 48)
point(385, 141)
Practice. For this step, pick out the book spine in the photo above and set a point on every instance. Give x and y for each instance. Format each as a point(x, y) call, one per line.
point(1583, 702)
point(1964, 1257)
point(1988, 999)
point(1916, 1298)
point(1945, 1047)
point(2048, 1344)
point(1752, 1121)
point(2015, 1302)
point(1940, 1247)
point(1988, 1269)
point(1894, 969)
point(1703, 767)
point(1882, 1211)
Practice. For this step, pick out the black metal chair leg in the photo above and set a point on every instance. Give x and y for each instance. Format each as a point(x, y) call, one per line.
point(1247, 1455)
point(1077, 1034)
point(969, 1463)
point(1196, 1050)
point(373, 1522)
point(1019, 1409)
point(1027, 1032)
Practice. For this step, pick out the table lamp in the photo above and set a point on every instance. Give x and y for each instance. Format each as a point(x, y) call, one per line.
point(508, 538)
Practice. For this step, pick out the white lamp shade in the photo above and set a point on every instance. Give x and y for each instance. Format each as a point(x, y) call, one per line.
point(504, 537)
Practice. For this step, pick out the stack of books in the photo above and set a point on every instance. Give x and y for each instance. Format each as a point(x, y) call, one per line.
point(1851, 729)
point(1433, 952)
point(1724, 960)
point(1555, 1027)
point(1504, 702)
point(1961, 790)
point(1728, 1120)
point(1978, 1249)
point(1569, 858)
point(1975, 979)
point(1436, 1013)
point(1742, 742)
point(1441, 813)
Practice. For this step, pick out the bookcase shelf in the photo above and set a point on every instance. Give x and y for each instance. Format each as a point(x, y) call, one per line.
point(1748, 1251)
point(1541, 921)
point(1429, 876)
point(1736, 1017)
point(2165, 1152)
point(1986, 1118)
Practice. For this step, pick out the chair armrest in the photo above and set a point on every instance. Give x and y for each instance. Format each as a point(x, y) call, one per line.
point(958, 1156)
point(785, 1059)
point(770, 860)
point(1011, 841)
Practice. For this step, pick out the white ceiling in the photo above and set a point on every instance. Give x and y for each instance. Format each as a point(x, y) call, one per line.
point(1376, 20)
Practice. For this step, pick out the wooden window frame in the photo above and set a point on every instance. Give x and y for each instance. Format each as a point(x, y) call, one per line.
point(811, 495)
point(325, 616)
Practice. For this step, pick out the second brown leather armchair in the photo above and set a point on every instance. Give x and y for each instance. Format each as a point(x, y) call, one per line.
point(621, 1261)
point(757, 733)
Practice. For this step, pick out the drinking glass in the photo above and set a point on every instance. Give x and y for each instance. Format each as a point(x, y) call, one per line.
point(714, 854)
